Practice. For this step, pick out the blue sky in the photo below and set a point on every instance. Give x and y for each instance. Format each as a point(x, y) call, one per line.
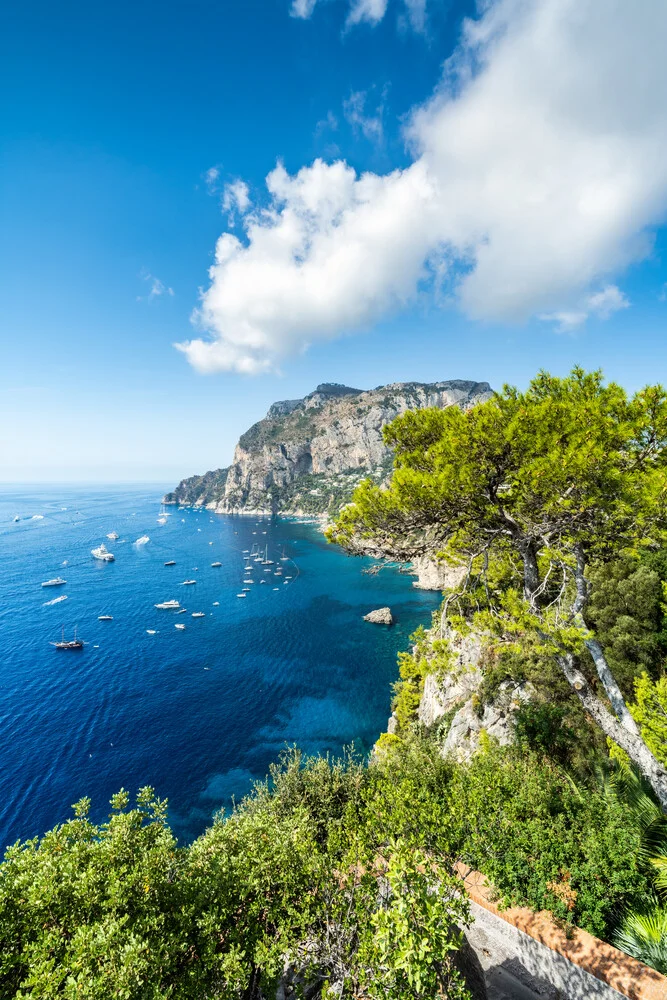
point(505, 216)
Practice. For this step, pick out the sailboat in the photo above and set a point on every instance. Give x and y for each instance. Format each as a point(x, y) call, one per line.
point(74, 643)
point(266, 561)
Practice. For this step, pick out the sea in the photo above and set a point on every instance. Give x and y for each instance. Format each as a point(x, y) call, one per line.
point(198, 713)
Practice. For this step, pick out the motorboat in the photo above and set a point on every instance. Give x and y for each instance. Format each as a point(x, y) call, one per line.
point(105, 618)
point(168, 605)
point(199, 614)
point(188, 583)
point(241, 595)
point(142, 540)
point(102, 553)
point(56, 582)
point(170, 562)
point(113, 535)
point(180, 626)
point(216, 564)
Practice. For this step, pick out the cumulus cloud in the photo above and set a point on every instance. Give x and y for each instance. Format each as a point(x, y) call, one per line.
point(539, 166)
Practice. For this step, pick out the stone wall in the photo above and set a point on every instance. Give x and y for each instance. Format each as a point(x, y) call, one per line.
point(525, 955)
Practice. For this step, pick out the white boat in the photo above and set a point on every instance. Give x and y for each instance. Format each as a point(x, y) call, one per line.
point(262, 581)
point(104, 618)
point(283, 557)
point(199, 614)
point(151, 631)
point(216, 604)
point(216, 564)
point(17, 518)
point(142, 540)
point(182, 611)
point(170, 562)
point(188, 583)
point(102, 553)
point(113, 535)
point(179, 626)
point(276, 588)
point(241, 595)
point(168, 605)
point(56, 600)
point(56, 582)
point(162, 520)
point(245, 588)
point(248, 581)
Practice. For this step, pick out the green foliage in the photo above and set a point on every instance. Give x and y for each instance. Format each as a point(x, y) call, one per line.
point(541, 727)
point(644, 935)
point(625, 609)
point(542, 841)
point(650, 712)
point(427, 657)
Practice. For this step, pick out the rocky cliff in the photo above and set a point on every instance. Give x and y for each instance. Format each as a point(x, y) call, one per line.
point(307, 455)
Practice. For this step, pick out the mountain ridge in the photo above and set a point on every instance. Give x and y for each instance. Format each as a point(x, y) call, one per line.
point(306, 456)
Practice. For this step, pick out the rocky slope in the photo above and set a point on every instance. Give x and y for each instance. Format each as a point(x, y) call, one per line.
point(307, 455)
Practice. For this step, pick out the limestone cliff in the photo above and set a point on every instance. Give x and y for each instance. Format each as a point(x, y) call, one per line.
point(307, 455)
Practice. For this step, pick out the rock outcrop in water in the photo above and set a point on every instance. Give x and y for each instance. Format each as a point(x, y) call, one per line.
point(307, 455)
point(381, 616)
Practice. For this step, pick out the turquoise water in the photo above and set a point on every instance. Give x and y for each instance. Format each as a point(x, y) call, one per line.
point(197, 713)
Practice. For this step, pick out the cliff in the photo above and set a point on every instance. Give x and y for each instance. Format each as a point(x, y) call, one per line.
point(307, 455)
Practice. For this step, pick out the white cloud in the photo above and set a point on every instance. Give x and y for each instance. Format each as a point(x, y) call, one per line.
point(417, 14)
point(601, 304)
point(371, 11)
point(538, 168)
point(236, 197)
point(369, 125)
point(302, 8)
point(365, 11)
point(156, 290)
point(211, 179)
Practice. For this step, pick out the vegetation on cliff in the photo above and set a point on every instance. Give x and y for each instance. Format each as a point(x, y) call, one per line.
point(532, 490)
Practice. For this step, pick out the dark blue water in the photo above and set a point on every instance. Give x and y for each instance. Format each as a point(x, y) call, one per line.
point(197, 713)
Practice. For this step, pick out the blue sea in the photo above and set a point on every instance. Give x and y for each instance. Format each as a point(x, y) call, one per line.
point(198, 713)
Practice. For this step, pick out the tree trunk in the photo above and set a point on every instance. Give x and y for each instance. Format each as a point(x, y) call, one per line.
point(531, 573)
point(634, 746)
point(611, 687)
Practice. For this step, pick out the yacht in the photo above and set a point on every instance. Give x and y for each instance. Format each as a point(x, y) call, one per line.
point(169, 605)
point(63, 643)
point(216, 564)
point(170, 562)
point(113, 535)
point(56, 582)
point(199, 614)
point(179, 626)
point(105, 618)
point(102, 553)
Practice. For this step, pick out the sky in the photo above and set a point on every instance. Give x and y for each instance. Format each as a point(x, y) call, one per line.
point(209, 206)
